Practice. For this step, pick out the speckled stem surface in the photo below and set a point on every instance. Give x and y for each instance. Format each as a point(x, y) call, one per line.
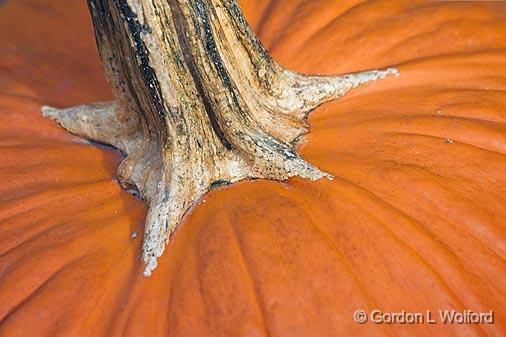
point(198, 103)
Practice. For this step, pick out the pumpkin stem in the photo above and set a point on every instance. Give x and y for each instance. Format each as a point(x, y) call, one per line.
point(198, 100)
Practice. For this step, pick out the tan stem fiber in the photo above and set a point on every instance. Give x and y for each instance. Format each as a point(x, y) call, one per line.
point(198, 103)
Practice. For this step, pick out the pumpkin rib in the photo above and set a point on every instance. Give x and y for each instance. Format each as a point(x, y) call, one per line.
point(32, 242)
point(379, 198)
point(426, 169)
point(27, 298)
point(372, 302)
point(264, 16)
point(446, 25)
point(359, 116)
point(494, 129)
point(56, 141)
point(500, 121)
point(260, 306)
point(412, 175)
point(334, 248)
point(415, 224)
point(475, 238)
point(37, 203)
point(247, 281)
point(348, 272)
point(40, 187)
point(452, 139)
point(350, 11)
point(56, 328)
point(284, 34)
point(38, 207)
point(328, 25)
point(91, 245)
point(32, 184)
point(452, 294)
point(126, 299)
point(405, 244)
point(172, 307)
point(339, 257)
point(175, 287)
point(459, 58)
point(471, 235)
point(17, 96)
point(399, 210)
point(107, 300)
point(419, 225)
point(36, 236)
point(420, 116)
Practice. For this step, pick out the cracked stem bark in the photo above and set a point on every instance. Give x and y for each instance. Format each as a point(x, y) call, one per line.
point(198, 100)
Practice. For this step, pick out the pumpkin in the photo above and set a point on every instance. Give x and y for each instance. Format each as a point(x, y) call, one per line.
point(413, 219)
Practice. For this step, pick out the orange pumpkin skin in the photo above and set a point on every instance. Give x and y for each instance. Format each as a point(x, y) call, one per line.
point(414, 219)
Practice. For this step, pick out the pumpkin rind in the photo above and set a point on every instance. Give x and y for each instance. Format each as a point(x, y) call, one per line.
point(413, 220)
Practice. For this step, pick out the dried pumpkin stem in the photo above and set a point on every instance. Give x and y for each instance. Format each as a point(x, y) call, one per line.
point(198, 102)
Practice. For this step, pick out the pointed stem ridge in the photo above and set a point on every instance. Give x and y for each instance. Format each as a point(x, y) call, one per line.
point(198, 100)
